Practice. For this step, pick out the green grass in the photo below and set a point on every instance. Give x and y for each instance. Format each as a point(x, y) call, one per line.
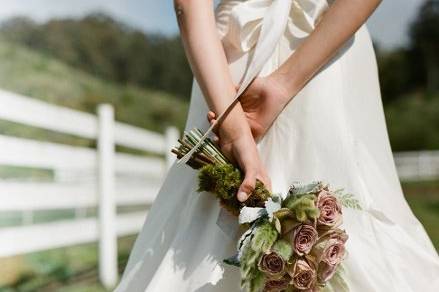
point(423, 198)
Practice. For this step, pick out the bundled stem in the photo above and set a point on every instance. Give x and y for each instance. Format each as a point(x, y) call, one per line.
point(217, 174)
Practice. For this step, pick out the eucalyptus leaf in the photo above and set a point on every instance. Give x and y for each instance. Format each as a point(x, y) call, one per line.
point(299, 188)
point(272, 206)
point(251, 214)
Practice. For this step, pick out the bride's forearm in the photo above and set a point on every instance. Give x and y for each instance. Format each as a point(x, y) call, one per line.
point(338, 24)
point(206, 54)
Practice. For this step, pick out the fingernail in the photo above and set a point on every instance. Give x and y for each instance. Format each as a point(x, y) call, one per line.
point(242, 196)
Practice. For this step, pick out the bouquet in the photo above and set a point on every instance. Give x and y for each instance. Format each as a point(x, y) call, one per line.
point(290, 243)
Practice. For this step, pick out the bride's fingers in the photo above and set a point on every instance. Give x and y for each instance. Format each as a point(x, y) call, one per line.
point(210, 115)
point(215, 130)
point(247, 186)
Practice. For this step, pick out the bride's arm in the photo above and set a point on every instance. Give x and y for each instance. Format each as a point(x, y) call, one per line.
point(209, 64)
point(338, 24)
point(266, 97)
point(205, 52)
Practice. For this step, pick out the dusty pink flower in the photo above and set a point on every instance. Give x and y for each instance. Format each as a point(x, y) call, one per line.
point(329, 253)
point(272, 264)
point(303, 275)
point(303, 237)
point(277, 285)
point(334, 249)
point(330, 209)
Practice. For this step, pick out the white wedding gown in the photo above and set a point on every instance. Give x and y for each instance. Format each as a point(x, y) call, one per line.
point(333, 130)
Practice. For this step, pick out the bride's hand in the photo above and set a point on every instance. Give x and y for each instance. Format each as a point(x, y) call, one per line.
point(238, 145)
point(262, 102)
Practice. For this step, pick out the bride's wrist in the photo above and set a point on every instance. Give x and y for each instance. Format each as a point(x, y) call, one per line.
point(234, 125)
point(288, 84)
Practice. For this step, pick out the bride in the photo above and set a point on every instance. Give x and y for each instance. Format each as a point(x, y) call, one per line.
point(309, 109)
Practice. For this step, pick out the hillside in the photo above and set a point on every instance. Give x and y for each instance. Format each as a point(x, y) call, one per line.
point(108, 48)
point(34, 74)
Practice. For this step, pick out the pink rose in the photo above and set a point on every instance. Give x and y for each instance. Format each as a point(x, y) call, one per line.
point(330, 209)
point(329, 253)
point(272, 264)
point(303, 275)
point(334, 250)
point(277, 285)
point(303, 237)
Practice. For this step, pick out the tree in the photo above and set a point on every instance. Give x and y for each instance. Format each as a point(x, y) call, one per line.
point(425, 42)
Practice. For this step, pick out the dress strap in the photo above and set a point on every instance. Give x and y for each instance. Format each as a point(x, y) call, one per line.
point(273, 26)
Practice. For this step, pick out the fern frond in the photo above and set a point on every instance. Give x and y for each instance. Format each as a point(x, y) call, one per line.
point(349, 201)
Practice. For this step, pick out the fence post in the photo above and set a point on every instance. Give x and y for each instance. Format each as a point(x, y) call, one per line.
point(171, 136)
point(106, 209)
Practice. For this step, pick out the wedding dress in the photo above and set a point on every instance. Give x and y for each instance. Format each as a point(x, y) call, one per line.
point(333, 130)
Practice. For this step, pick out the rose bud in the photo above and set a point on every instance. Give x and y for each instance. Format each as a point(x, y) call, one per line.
point(330, 209)
point(303, 275)
point(272, 264)
point(303, 237)
point(334, 249)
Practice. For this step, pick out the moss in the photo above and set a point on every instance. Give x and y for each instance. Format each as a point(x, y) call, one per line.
point(224, 181)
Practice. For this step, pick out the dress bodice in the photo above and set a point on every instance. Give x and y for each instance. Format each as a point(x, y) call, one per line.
point(240, 21)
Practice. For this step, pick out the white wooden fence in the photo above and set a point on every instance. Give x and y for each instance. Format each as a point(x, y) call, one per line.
point(417, 165)
point(84, 178)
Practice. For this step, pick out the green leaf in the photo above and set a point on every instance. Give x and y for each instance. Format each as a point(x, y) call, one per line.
point(257, 283)
point(233, 261)
point(303, 207)
point(283, 248)
point(264, 237)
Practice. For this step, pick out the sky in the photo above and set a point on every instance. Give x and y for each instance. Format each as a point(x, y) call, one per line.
point(388, 25)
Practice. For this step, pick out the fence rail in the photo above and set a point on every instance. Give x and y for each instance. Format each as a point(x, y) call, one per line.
point(83, 178)
point(417, 165)
point(36, 237)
